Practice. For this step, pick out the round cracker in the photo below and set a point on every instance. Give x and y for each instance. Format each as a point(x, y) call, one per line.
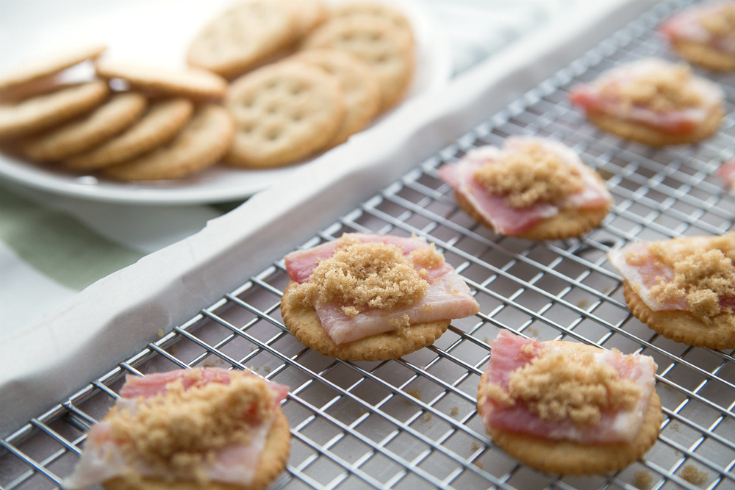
point(651, 136)
point(271, 463)
point(283, 113)
point(387, 50)
point(303, 323)
point(161, 123)
point(309, 14)
point(50, 65)
point(186, 82)
point(48, 110)
point(200, 144)
point(243, 36)
point(374, 9)
point(359, 86)
point(681, 326)
point(111, 118)
point(574, 458)
point(704, 55)
point(568, 223)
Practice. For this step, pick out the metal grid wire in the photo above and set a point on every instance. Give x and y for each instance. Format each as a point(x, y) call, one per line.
point(411, 422)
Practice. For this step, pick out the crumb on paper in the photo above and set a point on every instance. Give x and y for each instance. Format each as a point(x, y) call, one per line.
point(675, 427)
point(454, 411)
point(691, 474)
point(533, 331)
point(486, 340)
point(361, 412)
point(478, 464)
point(643, 479)
point(530, 174)
point(475, 445)
point(414, 392)
point(161, 333)
point(267, 369)
point(173, 350)
point(209, 362)
point(583, 303)
point(606, 290)
point(426, 416)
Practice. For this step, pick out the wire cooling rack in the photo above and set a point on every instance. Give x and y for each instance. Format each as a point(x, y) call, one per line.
point(411, 422)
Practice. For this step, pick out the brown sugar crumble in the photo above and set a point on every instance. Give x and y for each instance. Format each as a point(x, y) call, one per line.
point(556, 386)
point(361, 276)
point(529, 175)
point(721, 22)
point(662, 90)
point(176, 432)
point(703, 275)
point(414, 392)
point(691, 474)
point(643, 479)
point(454, 411)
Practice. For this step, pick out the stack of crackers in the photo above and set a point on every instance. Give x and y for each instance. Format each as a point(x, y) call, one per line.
point(302, 79)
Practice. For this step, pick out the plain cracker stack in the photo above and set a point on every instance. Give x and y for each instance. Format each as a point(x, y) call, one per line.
point(111, 118)
point(374, 9)
point(359, 86)
point(245, 35)
point(48, 110)
point(161, 123)
point(200, 144)
point(386, 49)
point(283, 112)
point(185, 82)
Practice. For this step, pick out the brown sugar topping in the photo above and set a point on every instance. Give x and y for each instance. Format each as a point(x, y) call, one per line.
point(691, 474)
point(668, 88)
point(703, 275)
point(361, 276)
point(529, 175)
point(720, 22)
point(556, 386)
point(176, 432)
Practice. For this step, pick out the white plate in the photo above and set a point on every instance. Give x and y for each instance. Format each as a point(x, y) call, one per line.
point(159, 32)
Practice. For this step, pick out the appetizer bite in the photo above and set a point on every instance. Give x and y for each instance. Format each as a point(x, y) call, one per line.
point(568, 408)
point(727, 173)
point(531, 188)
point(369, 297)
point(652, 101)
point(682, 288)
point(203, 428)
point(704, 34)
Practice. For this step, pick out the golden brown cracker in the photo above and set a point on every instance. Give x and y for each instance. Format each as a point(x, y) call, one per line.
point(309, 14)
point(359, 86)
point(374, 9)
point(569, 223)
point(94, 128)
point(704, 55)
point(650, 136)
point(200, 144)
point(573, 458)
point(304, 324)
point(245, 35)
point(185, 82)
point(161, 123)
point(48, 110)
point(272, 462)
point(387, 50)
point(681, 326)
point(50, 65)
point(283, 113)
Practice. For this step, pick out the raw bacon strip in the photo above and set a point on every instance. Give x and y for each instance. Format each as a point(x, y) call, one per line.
point(614, 426)
point(687, 26)
point(448, 296)
point(645, 276)
point(102, 459)
point(727, 173)
point(679, 122)
point(515, 221)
